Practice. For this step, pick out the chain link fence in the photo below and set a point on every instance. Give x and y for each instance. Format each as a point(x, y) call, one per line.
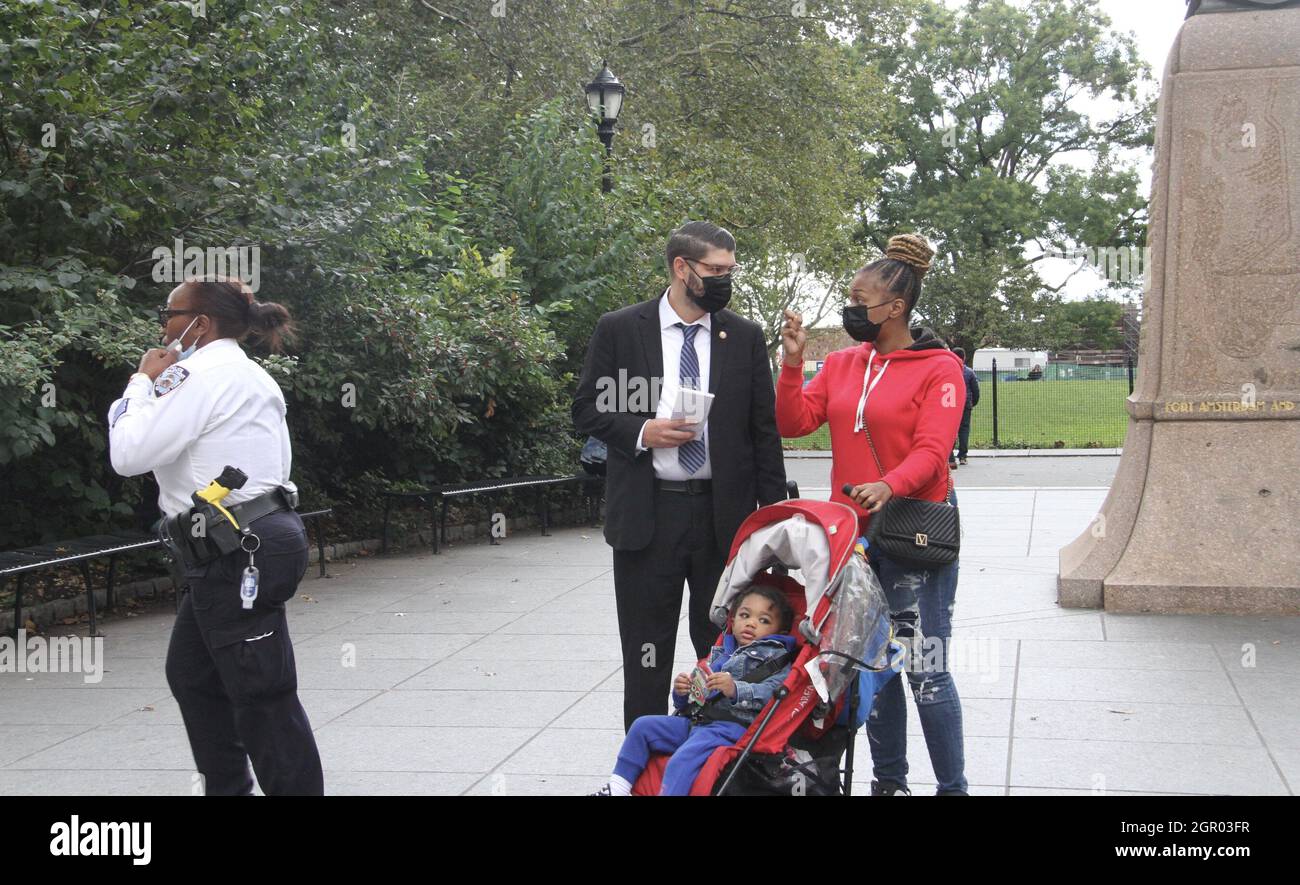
point(1062, 405)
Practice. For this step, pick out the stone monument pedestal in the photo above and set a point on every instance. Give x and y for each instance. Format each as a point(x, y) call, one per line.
point(1204, 512)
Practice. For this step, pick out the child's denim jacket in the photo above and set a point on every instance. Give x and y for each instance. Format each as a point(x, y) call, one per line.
point(750, 697)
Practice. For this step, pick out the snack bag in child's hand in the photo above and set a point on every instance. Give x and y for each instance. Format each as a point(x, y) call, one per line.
point(699, 676)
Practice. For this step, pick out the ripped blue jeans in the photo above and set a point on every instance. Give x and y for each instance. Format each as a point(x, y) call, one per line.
point(920, 604)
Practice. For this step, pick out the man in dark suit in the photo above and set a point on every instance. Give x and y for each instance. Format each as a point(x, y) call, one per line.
point(674, 502)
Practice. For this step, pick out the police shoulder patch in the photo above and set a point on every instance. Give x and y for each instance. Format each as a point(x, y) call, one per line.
point(171, 378)
point(118, 413)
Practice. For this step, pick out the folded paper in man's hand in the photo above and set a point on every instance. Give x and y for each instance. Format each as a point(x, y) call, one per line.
point(693, 405)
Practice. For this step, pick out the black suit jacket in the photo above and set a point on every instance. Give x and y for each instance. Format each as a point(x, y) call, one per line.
point(744, 446)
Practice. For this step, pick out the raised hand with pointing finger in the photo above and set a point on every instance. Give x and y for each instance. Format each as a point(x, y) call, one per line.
point(793, 338)
point(891, 404)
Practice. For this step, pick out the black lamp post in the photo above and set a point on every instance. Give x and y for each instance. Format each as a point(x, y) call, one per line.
point(605, 98)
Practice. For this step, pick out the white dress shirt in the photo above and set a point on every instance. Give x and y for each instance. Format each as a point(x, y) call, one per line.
point(671, 339)
point(216, 408)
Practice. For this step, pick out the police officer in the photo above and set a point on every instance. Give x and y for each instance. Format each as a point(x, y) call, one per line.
point(194, 407)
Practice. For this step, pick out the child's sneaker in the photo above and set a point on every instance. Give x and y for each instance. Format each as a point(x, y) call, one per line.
point(603, 791)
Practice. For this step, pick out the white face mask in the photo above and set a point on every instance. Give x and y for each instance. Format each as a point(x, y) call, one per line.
point(184, 353)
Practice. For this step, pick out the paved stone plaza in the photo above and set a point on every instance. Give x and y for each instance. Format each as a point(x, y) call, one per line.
point(494, 670)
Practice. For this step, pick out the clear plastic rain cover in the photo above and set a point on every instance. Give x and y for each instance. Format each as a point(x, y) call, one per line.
point(857, 626)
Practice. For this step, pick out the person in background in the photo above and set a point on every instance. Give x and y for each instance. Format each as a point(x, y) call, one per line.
point(972, 400)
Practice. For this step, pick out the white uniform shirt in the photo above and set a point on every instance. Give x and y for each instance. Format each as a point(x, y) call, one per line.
point(671, 338)
point(216, 408)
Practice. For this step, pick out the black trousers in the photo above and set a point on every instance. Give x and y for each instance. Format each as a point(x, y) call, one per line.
point(963, 433)
point(648, 592)
point(232, 671)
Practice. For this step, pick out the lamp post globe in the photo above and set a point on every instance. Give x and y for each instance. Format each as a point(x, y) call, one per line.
point(605, 100)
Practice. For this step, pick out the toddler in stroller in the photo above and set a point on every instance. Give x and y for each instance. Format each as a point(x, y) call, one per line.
point(841, 653)
point(744, 672)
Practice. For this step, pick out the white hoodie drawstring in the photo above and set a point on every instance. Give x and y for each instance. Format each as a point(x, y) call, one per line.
point(859, 421)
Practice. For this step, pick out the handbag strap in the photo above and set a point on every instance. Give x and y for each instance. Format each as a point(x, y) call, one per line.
point(867, 430)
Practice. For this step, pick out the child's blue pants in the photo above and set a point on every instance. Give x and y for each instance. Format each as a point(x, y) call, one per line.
point(690, 748)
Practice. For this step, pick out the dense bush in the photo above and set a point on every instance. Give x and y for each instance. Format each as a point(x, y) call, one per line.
point(414, 350)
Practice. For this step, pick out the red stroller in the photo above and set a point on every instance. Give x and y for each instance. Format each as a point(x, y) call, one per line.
point(843, 655)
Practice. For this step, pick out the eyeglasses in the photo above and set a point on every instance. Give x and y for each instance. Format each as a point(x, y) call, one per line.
point(165, 313)
point(718, 270)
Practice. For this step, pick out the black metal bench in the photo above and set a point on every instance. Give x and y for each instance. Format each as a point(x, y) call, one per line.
point(81, 551)
point(443, 494)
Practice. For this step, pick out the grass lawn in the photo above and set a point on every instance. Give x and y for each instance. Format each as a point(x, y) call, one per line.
point(1037, 415)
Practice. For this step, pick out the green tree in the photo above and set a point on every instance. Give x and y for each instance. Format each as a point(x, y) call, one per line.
point(989, 106)
point(751, 115)
point(422, 181)
point(1092, 323)
point(132, 124)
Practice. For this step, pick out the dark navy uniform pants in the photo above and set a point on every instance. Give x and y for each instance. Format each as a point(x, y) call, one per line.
point(232, 671)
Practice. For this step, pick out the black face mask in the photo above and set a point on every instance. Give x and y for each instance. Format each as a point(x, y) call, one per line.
point(858, 324)
point(717, 292)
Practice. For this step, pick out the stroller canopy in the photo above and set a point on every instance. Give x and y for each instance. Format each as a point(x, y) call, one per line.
point(815, 537)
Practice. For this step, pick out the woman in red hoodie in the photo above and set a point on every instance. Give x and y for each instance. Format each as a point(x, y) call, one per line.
point(907, 388)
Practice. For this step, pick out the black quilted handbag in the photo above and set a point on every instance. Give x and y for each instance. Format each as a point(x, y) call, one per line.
point(913, 532)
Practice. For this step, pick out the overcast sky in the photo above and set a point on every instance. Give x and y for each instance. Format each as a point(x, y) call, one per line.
point(1153, 23)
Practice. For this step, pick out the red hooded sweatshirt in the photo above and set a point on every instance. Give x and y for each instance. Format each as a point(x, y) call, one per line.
point(913, 405)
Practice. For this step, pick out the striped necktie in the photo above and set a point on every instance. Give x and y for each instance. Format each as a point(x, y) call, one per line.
point(690, 454)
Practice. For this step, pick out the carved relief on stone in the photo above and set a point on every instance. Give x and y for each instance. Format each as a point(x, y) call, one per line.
point(1250, 148)
point(1239, 246)
point(1153, 283)
point(1200, 213)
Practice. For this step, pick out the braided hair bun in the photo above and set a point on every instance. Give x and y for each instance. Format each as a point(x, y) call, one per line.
point(238, 314)
point(911, 249)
